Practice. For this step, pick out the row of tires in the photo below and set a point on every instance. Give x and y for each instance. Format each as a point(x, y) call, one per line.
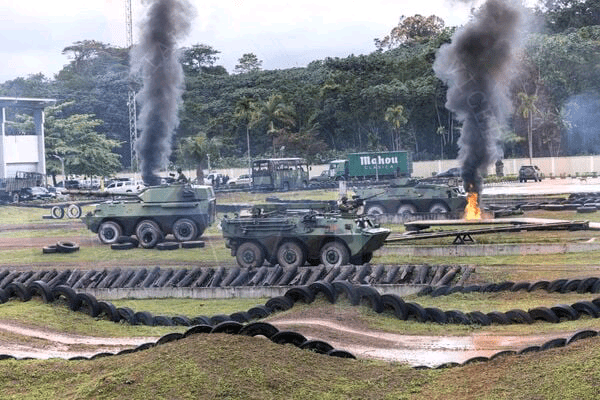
point(72, 211)
point(585, 285)
point(234, 276)
point(237, 323)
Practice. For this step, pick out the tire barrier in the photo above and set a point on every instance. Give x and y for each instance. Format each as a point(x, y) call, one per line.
point(227, 324)
point(61, 247)
point(217, 324)
point(238, 277)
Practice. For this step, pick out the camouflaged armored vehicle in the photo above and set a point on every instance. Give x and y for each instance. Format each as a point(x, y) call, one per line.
point(409, 196)
point(180, 209)
point(294, 233)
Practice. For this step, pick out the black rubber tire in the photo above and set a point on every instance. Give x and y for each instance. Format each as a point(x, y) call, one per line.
point(474, 360)
point(497, 317)
point(109, 232)
point(571, 286)
point(101, 355)
point(503, 353)
point(348, 290)
point(197, 329)
point(440, 291)
point(127, 314)
point(17, 289)
point(230, 327)
point(595, 287)
point(517, 316)
point(341, 354)
point(436, 315)
point(219, 318)
point(556, 285)
point(324, 288)
point(427, 290)
point(170, 337)
point(167, 246)
point(73, 211)
point(49, 249)
point(288, 337)
point(181, 320)
point(57, 212)
point(201, 320)
point(371, 295)
point(241, 316)
point(185, 230)
point(587, 307)
point(457, 317)
point(250, 255)
point(583, 334)
point(565, 311)
point(334, 254)
point(544, 314)
point(396, 304)
point(88, 304)
point(506, 285)
point(586, 285)
point(65, 291)
point(162, 320)
point(471, 289)
point(148, 233)
point(41, 289)
point(553, 344)
point(128, 239)
point(122, 246)
point(479, 318)
point(66, 247)
point(530, 349)
point(109, 310)
point(279, 303)
point(193, 244)
point(539, 285)
point(317, 346)
point(520, 286)
point(259, 312)
point(300, 293)
point(143, 318)
point(586, 209)
point(259, 329)
point(3, 296)
point(291, 255)
point(414, 310)
point(449, 364)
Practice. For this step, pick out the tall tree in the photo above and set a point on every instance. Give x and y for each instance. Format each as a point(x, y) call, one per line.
point(194, 151)
point(248, 63)
point(527, 109)
point(411, 29)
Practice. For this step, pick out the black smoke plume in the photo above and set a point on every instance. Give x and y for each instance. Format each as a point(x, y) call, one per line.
point(478, 66)
point(155, 58)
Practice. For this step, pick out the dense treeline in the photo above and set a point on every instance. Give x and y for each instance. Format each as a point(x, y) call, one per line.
point(388, 99)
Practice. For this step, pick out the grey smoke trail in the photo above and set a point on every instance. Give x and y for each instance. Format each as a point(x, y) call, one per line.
point(478, 66)
point(155, 58)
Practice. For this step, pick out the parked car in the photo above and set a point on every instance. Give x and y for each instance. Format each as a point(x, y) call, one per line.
point(35, 193)
point(527, 172)
point(451, 173)
point(242, 180)
point(323, 177)
point(124, 187)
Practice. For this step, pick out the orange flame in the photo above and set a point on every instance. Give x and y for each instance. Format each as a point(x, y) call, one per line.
point(472, 210)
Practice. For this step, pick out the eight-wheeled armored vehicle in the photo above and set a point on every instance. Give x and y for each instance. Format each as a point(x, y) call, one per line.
point(292, 234)
point(180, 209)
point(409, 196)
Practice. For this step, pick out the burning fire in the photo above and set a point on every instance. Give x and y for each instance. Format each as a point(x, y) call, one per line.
point(472, 210)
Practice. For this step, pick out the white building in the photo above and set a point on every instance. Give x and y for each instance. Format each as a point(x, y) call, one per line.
point(25, 153)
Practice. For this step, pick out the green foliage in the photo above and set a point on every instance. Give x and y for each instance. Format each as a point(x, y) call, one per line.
point(248, 62)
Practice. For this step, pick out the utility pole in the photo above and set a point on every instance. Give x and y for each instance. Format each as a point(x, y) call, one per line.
point(131, 94)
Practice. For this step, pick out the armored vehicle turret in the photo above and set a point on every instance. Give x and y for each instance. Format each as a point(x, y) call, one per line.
point(180, 209)
point(295, 233)
point(409, 196)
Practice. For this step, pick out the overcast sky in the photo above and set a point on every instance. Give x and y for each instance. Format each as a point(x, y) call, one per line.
point(281, 33)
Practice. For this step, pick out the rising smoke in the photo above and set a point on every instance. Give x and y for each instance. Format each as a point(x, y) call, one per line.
point(478, 66)
point(155, 58)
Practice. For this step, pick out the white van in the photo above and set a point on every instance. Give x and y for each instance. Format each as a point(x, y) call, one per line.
point(121, 187)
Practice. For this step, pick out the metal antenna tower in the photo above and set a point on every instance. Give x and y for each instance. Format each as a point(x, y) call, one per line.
point(131, 93)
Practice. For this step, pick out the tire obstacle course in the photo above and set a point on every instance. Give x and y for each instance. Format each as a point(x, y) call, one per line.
point(242, 322)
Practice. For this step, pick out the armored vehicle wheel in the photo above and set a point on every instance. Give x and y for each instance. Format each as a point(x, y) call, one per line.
point(149, 234)
point(184, 230)
point(334, 254)
point(250, 255)
point(290, 254)
point(375, 209)
point(438, 208)
point(109, 232)
point(407, 209)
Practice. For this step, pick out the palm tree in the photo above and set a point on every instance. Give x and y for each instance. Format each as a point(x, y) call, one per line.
point(196, 149)
point(245, 109)
point(275, 114)
point(527, 109)
point(397, 117)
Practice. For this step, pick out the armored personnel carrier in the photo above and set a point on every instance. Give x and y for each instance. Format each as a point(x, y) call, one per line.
point(409, 196)
point(295, 233)
point(180, 209)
